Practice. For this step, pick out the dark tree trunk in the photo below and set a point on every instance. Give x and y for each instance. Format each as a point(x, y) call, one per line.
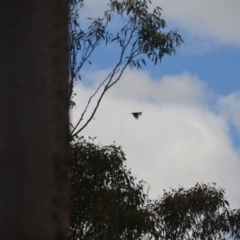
point(34, 190)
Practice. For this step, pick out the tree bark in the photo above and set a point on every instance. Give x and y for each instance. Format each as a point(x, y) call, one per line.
point(34, 189)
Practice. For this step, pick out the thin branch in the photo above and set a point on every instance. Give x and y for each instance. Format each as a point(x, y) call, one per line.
point(98, 102)
point(111, 75)
point(119, 76)
point(89, 101)
point(114, 71)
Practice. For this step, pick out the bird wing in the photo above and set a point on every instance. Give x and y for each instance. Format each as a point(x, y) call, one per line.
point(136, 114)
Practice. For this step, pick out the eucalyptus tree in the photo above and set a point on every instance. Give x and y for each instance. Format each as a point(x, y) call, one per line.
point(107, 202)
point(140, 36)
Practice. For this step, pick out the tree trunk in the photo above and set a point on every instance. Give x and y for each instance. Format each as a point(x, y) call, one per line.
point(34, 189)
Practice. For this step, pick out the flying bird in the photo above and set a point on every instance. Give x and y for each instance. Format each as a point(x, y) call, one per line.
point(136, 114)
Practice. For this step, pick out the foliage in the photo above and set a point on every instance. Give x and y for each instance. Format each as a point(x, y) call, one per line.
point(140, 37)
point(201, 212)
point(81, 43)
point(106, 202)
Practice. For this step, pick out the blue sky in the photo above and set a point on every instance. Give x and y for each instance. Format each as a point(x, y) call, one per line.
point(190, 128)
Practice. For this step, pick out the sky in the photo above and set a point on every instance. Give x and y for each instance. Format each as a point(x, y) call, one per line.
point(189, 130)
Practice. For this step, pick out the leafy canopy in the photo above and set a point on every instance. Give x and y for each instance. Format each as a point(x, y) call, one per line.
point(108, 203)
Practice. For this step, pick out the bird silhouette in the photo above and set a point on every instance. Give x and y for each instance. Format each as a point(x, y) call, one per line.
point(136, 114)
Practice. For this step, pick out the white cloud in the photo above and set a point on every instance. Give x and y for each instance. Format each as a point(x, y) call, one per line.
point(230, 107)
point(202, 20)
point(216, 19)
point(177, 141)
point(185, 88)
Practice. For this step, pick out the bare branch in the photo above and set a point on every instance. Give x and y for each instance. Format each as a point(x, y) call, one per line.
point(89, 101)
